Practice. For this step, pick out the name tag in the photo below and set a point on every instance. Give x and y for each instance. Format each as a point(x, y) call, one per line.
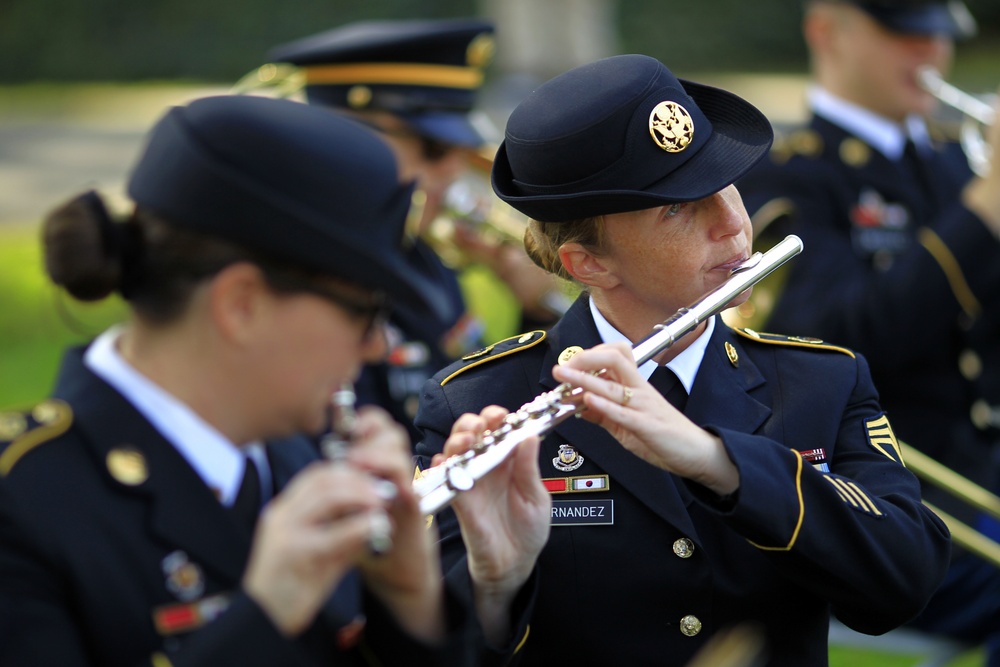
point(583, 512)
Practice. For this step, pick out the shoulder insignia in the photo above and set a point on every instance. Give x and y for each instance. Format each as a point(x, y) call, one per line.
point(805, 142)
point(882, 438)
point(794, 341)
point(502, 348)
point(854, 152)
point(20, 432)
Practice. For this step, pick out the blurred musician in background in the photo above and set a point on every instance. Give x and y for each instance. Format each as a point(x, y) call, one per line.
point(416, 83)
point(902, 257)
point(163, 507)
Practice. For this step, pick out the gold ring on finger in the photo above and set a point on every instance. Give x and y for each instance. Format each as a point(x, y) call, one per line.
point(626, 395)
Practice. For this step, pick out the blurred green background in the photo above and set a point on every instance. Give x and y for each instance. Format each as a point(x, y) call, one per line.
point(81, 82)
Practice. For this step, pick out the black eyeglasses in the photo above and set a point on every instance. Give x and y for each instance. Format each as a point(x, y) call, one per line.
point(372, 308)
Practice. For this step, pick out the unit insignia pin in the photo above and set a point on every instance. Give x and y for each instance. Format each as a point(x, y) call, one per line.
point(568, 460)
point(734, 358)
point(569, 353)
point(184, 578)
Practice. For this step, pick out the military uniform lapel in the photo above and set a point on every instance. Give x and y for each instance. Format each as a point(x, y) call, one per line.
point(727, 386)
point(286, 458)
point(184, 513)
point(655, 488)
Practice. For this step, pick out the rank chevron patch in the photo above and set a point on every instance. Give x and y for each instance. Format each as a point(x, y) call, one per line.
point(881, 437)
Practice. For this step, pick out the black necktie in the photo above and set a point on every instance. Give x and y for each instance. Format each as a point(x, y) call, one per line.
point(918, 170)
point(667, 384)
point(246, 507)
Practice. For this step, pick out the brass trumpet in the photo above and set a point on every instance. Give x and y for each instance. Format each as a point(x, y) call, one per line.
point(470, 202)
point(975, 115)
point(961, 488)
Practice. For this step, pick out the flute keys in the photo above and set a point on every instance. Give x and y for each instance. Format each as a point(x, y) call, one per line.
point(379, 533)
point(459, 479)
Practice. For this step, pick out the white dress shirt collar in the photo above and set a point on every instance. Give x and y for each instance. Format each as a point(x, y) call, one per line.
point(879, 132)
point(685, 365)
point(217, 461)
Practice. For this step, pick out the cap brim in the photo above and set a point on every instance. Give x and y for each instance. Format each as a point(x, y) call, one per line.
point(447, 127)
point(741, 136)
point(929, 19)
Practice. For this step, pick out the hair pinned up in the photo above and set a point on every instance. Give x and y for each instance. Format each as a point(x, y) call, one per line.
point(85, 247)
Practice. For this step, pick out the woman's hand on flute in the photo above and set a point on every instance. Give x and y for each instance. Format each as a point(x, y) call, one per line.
point(642, 420)
point(504, 520)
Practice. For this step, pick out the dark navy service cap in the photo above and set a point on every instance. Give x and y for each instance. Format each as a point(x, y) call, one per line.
point(426, 72)
point(294, 182)
point(623, 134)
point(921, 17)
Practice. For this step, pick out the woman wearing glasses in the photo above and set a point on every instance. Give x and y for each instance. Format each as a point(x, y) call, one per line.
point(416, 82)
point(160, 507)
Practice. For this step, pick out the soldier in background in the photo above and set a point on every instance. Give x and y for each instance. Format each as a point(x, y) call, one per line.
point(416, 83)
point(902, 259)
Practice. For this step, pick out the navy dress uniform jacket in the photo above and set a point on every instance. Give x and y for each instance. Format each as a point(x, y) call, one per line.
point(114, 552)
point(678, 563)
point(895, 268)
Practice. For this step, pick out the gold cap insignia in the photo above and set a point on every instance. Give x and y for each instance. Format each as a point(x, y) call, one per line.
point(671, 126)
point(734, 358)
point(569, 353)
point(481, 50)
point(854, 152)
point(358, 97)
point(128, 466)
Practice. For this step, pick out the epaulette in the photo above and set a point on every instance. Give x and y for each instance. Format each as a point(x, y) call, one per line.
point(804, 142)
point(794, 341)
point(20, 432)
point(497, 350)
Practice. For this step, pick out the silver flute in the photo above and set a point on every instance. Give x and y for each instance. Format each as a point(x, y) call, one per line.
point(334, 445)
point(438, 486)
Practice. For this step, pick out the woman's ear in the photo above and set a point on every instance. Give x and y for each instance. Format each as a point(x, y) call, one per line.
point(238, 300)
point(586, 267)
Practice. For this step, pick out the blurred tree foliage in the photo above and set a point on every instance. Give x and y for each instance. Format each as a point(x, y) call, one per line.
point(220, 40)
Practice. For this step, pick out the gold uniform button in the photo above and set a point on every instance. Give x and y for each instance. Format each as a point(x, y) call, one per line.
point(683, 548)
point(970, 365)
point(127, 465)
point(690, 626)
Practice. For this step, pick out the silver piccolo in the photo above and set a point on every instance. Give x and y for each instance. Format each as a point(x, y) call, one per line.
point(438, 486)
point(334, 445)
